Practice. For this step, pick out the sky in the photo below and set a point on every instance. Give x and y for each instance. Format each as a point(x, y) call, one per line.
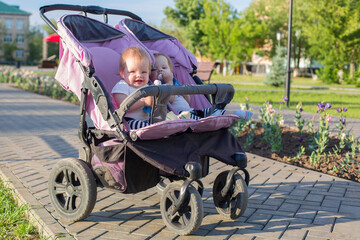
point(148, 10)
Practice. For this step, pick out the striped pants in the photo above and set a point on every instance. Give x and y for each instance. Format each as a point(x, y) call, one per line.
point(194, 114)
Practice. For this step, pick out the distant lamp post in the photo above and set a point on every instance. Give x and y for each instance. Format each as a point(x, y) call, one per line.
point(279, 36)
point(288, 71)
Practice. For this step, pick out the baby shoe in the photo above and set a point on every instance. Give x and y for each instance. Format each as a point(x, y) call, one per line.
point(244, 114)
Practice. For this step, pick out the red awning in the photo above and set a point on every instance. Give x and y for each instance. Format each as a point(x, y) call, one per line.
point(52, 38)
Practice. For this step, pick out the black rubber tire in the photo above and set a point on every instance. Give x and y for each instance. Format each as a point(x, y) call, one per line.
point(72, 189)
point(187, 220)
point(234, 204)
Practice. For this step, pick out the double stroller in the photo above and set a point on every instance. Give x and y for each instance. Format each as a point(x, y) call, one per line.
point(171, 156)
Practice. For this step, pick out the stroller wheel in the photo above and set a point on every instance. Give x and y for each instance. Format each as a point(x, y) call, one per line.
point(72, 189)
point(187, 219)
point(234, 203)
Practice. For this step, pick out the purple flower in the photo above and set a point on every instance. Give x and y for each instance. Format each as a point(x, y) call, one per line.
point(344, 109)
point(281, 102)
point(285, 99)
point(321, 106)
point(267, 102)
point(343, 121)
point(300, 140)
point(300, 109)
point(328, 106)
point(339, 110)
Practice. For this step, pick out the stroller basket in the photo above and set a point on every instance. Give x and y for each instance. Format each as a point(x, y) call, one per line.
point(171, 155)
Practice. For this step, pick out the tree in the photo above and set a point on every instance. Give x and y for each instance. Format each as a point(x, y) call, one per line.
point(337, 38)
point(217, 24)
point(247, 38)
point(34, 41)
point(9, 48)
point(186, 16)
point(277, 75)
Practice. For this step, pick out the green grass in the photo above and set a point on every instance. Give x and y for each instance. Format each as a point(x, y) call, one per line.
point(251, 87)
point(309, 101)
point(260, 79)
point(14, 223)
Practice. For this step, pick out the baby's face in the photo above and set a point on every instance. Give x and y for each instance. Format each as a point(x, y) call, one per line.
point(136, 72)
point(162, 67)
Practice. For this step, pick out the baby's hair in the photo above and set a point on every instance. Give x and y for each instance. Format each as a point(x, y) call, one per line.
point(133, 52)
point(167, 58)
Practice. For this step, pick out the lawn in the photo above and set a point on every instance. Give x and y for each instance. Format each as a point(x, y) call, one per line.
point(13, 221)
point(257, 93)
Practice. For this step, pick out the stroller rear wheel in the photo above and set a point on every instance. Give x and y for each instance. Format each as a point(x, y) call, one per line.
point(72, 189)
point(234, 203)
point(187, 219)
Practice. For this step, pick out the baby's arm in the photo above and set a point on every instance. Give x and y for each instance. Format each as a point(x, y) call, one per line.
point(146, 101)
point(187, 98)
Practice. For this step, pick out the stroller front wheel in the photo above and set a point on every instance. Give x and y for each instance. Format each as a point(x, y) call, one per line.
point(72, 189)
point(234, 203)
point(188, 218)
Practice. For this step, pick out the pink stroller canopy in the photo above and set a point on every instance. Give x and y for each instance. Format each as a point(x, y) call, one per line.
point(82, 38)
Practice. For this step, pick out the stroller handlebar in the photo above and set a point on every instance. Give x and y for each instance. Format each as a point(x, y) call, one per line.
point(221, 94)
point(85, 9)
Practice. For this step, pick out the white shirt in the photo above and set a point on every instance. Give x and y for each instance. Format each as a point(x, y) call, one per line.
point(180, 104)
point(124, 88)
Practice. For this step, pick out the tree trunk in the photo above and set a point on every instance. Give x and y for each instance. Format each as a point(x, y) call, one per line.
point(352, 65)
point(224, 67)
point(245, 71)
point(198, 53)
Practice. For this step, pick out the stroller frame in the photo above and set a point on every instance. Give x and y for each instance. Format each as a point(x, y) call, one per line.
point(78, 172)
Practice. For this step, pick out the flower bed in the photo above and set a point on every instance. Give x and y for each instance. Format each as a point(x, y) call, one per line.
point(315, 149)
point(33, 82)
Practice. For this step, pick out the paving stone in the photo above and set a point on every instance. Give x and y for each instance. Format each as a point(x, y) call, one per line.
point(314, 197)
point(289, 207)
point(305, 213)
point(291, 234)
point(259, 218)
point(347, 225)
point(350, 211)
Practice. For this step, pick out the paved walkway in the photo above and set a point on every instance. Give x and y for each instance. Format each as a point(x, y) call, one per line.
point(286, 202)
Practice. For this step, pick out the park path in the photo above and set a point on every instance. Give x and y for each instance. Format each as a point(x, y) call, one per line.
point(285, 202)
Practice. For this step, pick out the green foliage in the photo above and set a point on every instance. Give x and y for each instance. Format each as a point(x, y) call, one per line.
point(35, 41)
point(335, 44)
point(271, 124)
point(9, 48)
point(277, 75)
point(217, 24)
point(185, 16)
point(215, 29)
point(13, 220)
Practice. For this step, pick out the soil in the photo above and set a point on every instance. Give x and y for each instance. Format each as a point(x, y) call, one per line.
point(330, 163)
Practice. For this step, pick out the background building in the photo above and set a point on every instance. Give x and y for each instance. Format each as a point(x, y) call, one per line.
point(14, 24)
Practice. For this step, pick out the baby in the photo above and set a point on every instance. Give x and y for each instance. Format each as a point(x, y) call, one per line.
point(163, 70)
point(135, 68)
